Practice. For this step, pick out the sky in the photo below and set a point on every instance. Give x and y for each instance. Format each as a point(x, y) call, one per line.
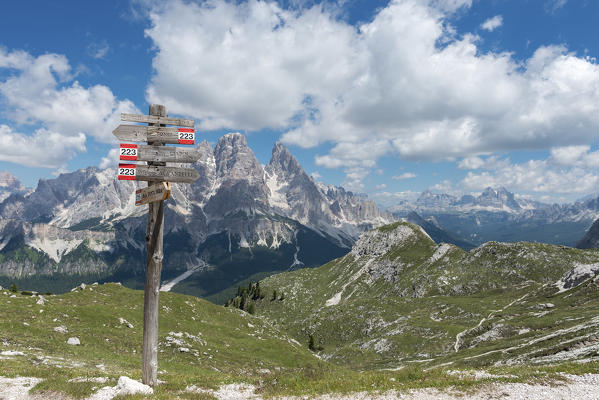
point(386, 98)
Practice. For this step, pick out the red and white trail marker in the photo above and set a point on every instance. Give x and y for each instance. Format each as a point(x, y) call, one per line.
point(128, 152)
point(186, 136)
point(127, 172)
point(155, 134)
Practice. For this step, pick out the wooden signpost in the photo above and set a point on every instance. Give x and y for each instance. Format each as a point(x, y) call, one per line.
point(157, 119)
point(134, 172)
point(135, 152)
point(159, 176)
point(138, 133)
point(152, 193)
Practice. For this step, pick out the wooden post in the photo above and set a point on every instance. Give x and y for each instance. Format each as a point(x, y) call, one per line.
point(153, 268)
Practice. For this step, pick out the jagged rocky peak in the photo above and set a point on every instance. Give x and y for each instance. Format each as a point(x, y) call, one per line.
point(429, 199)
point(9, 181)
point(206, 166)
point(206, 152)
point(9, 185)
point(498, 198)
point(379, 241)
point(283, 162)
point(235, 160)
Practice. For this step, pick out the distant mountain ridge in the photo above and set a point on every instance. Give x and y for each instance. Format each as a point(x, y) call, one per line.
point(497, 214)
point(491, 199)
point(9, 185)
point(237, 219)
point(437, 232)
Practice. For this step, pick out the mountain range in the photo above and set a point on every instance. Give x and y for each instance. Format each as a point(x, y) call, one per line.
point(238, 219)
point(497, 214)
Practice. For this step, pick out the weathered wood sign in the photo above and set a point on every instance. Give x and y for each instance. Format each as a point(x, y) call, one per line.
point(152, 193)
point(153, 119)
point(156, 155)
point(155, 134)
point(155, 173)
point(135, 152)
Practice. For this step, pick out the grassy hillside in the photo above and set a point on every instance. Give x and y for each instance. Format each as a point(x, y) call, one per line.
point(397, 312)
point(398, 299)
point(201, 347)
point(199, 343)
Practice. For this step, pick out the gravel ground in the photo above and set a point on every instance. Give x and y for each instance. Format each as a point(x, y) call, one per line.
point(16, 388)
point(578, 387)
point(583, 387)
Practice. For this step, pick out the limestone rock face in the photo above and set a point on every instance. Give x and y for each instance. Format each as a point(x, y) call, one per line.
point(378, 242)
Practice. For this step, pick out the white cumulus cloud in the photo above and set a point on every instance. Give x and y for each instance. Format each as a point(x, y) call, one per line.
point(492, 23)
point(42, 92)
point(405, 175)
point(541, 176)
point(404, 85)
point(111, 159)
point(44, 148)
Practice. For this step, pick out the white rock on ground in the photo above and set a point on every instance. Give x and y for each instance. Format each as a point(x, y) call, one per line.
point(61, 329)
point(16, 388)
point(123, 321)
point(125, 386)
point(74, 341)
point(11, 353)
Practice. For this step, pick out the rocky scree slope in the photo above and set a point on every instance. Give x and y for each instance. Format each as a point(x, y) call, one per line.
point(237, 219)
point(398, 298)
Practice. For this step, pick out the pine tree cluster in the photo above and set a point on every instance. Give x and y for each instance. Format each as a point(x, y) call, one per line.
point(246, 297)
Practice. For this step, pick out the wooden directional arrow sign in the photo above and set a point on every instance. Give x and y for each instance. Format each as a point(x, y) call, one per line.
point(134, 152)
point(152, 193)
point(152, 119)
point(134, 172)
point(139, 133)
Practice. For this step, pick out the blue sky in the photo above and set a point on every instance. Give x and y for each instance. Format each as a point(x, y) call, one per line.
point(388, 98)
